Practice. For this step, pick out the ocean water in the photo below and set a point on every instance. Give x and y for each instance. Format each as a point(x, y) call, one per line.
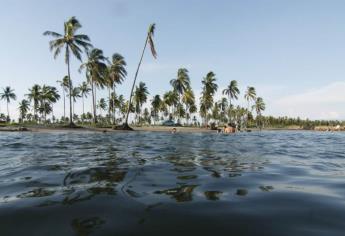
point(152, 183)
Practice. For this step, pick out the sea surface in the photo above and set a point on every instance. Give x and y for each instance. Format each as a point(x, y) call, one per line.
point(152, 183)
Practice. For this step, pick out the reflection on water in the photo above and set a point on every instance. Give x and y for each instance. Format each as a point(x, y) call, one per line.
point(154, 183)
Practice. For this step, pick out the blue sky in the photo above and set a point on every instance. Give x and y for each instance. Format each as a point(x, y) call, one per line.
point(292, 51)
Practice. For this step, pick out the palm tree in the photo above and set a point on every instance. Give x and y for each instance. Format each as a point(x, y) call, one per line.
point(75, 95)
point(156, 105)
point(149, 40)
point(48, 95)
point(209, 89)
point(117, 73)
point(8, 95)
point(102, 105)
point(96, 71)
point(189, 100)
point(181, 84)
point(140, 97)
point(35, 96)
point(64, 83)
point(121, 104)
point(24, 107)
point(232, 92)
point(250, 95)
point(71, 43)
point(259, 107)
point(84, 91)
point(223, 105)
point(170, 98)
point(45, 108)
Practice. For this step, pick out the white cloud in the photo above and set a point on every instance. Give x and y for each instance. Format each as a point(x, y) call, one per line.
point(327, 102)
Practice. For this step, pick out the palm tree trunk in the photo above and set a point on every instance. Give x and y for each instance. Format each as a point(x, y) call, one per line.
point(70, 87)
point(109, 108)
point(247, 115)
point(45, 111)
point(82, 117)
point(135, 79)
point(230, 109)
point(93, 102)
point(114, 109)
point(64, 105)
point(8, 113)
point(52, 112)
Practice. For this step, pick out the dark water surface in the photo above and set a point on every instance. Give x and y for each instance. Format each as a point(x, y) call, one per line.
point(268, 183)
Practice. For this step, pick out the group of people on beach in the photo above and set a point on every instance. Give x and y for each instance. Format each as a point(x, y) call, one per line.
point(227, 129)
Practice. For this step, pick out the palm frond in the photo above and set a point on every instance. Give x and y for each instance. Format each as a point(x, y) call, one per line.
point(52, 33)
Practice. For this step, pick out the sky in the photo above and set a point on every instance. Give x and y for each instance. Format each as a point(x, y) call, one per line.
point(291, 51)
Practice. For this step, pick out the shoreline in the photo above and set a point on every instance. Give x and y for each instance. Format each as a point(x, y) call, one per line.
point(43, 129)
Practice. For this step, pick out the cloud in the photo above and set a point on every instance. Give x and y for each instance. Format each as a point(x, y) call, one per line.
point(326, 102)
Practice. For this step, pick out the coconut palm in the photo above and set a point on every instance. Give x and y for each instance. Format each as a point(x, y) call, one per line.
point(209, 89)
point(232, 92)
point(149, 40)
point(140, 97)
point(75, 95)
point(156, 106)
point(250, 95)
point(102, 105)
point(34, 96)
point(24, 107)
point(45, 108)
point(84, 91)
point(259, 106)
point(121, 104)
point(8, 95)
point(171, 99)
point(96, 72)
point(189, 101)
point(72, 43)
point(181, 84)
point(50, 95)
point(64, 83)
point(182, 81)
point(116, 74)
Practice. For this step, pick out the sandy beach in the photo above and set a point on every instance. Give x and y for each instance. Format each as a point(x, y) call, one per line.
point(94, 129)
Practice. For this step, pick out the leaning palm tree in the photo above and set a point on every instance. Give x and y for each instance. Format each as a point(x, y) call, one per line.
point(34, 96)
point(84, 91)
point(24, 107)
point(96, 72)
point(64, 83)
point(72, 44)
point(8, 95)
point(149, 40)
point(250, 95)
point(232, 92)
